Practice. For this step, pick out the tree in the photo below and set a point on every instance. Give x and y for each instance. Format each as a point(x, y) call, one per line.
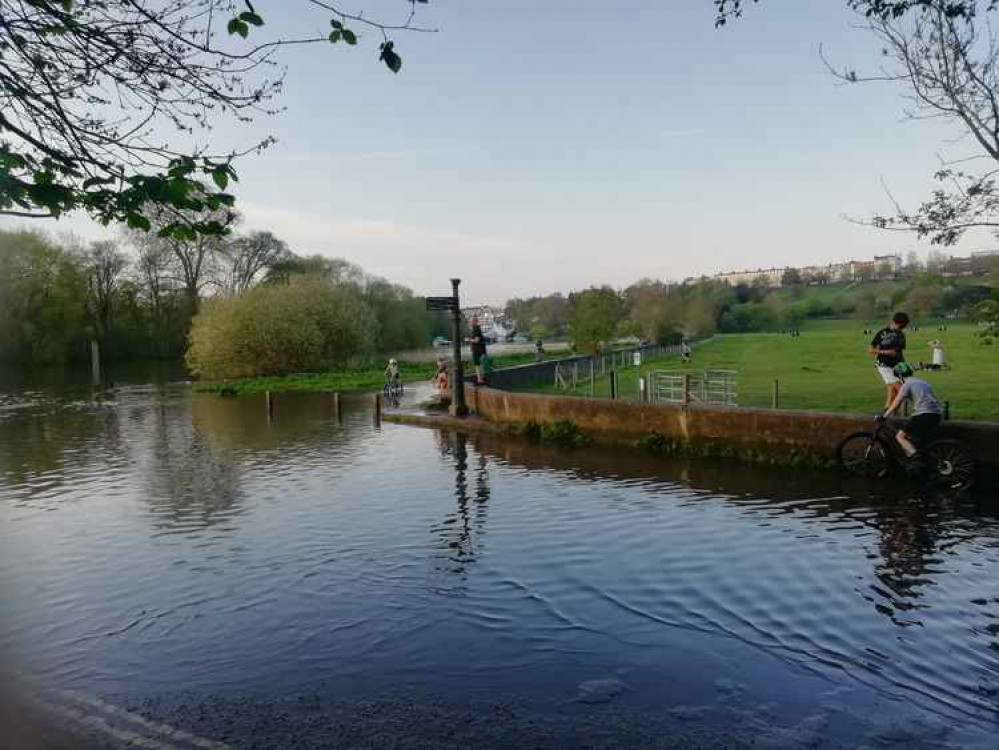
point(596, 313)
point(912, 266)
point(924, 300)
point(242, 260)
point(194, 255)
point(947, 64)
point(104, 266)
point(305, 325)
point(87, 90)
point(791, 277)
point(879, 9)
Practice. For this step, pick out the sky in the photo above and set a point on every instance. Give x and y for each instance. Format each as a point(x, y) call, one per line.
point(530, 147)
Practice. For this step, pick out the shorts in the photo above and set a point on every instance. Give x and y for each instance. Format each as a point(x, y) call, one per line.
point(921, 427)
point(886, 374)
point(477, 358)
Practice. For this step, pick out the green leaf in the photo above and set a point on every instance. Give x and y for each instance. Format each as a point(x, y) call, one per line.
point(335, 36)
point(349, 36)
point(390, 58)
point(252, 19)
point(138, 221)
point(220, 176)
point(236, 26)
point(336, 24)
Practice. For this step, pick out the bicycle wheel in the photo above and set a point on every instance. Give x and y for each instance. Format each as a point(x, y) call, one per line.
point(952, 463)
point(864, 455)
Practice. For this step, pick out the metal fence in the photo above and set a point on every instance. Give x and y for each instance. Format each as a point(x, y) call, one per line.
point(711, 387)
point(572, 374)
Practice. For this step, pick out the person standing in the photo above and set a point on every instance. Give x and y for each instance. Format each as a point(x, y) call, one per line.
point(684, 352)
point(477, 340)
point(887, 347)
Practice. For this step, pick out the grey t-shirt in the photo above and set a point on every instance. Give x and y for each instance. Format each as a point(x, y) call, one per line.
point(920, 393)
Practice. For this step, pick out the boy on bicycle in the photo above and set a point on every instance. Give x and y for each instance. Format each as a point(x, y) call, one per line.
point(926, 412)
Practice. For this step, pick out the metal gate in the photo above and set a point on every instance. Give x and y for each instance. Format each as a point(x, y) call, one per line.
point(711, 387)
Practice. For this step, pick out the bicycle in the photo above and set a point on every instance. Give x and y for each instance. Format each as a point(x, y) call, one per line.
point(393, 390)
point(874, 455)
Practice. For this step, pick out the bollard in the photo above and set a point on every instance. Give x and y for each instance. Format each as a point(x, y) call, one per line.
point(95, 362)
point(269, 402)
point(776, 394)
point(642, 392)
point(686, 388)
point(378, 409)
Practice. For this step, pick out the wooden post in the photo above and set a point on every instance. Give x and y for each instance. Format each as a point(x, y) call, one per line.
point(95, 362)
point(946, 410)
point(613, 384)
point(776, 401)
point(593, 383)
point(336, 406)
point(575, 375)
point(378, 409)
point(642, 391)
point(686, 388)
point(269, 402)
point(458, 406)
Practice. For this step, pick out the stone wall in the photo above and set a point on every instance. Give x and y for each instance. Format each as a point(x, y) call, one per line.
point(815, 433)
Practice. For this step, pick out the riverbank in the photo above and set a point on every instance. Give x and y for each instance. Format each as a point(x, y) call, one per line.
point(366, 379)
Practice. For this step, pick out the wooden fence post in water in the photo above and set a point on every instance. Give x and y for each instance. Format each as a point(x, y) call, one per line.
point(776, 393)
point(336, 406)
point(269, 403)
point(378, 409)
point(95, 362)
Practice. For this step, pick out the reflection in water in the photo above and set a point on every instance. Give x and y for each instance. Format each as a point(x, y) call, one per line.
point(162, 539)
point(461, 531)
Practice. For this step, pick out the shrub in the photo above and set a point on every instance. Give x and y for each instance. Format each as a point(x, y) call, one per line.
point(306, 325)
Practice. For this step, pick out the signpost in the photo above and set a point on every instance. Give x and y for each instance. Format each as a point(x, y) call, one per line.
point(452, 304)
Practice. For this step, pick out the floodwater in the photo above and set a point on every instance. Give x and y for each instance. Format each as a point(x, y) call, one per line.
point(175, 558)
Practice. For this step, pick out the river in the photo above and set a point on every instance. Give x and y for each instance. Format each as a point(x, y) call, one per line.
point(177, 559)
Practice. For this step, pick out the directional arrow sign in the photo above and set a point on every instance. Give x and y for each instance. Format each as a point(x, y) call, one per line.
point(440, 303)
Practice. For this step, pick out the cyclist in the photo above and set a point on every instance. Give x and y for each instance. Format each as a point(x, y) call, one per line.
point(926, 412)
point(393, 378)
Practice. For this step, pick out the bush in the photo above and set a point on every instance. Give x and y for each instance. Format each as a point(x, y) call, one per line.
point(306, 325)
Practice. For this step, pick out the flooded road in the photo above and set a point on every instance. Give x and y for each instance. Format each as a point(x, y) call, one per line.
point(175, 559)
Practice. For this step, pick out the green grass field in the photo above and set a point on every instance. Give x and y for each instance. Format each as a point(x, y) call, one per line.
point(828, 368)
point(367, 379)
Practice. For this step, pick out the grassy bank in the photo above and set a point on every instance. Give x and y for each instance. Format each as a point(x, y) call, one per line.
point(366, 379)
point(827, 368)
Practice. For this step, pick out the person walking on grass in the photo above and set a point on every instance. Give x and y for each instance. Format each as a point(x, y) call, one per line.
point(888, 347)
point(684, 352)
point(477, 340)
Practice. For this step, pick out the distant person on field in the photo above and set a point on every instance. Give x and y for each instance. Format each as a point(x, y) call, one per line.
point(888, 346)
point(477, 340)
point(685, 352)
point(926, 412)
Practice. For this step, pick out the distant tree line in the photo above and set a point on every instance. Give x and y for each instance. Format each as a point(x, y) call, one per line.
point(139, 296)
point(664, 313)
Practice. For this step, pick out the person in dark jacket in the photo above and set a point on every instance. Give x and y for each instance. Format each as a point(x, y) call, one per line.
point(887, 347)
point(477, 340)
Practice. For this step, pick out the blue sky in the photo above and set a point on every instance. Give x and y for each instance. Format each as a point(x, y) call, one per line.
point(539, 146)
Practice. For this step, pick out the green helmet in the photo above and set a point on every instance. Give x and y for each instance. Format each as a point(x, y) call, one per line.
point(903, 370)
